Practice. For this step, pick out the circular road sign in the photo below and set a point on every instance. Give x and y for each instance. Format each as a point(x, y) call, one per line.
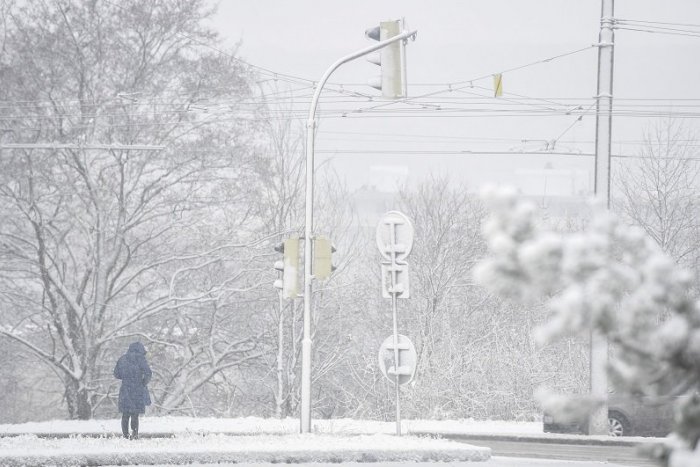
point(397, 223)
point(407, 359)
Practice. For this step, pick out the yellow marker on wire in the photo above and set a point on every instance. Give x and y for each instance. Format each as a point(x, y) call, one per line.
point(498, 85)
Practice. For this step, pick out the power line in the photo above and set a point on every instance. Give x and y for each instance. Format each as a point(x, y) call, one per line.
point(435, 105)
point(465, 152)
point(657, 22)
point(443, 114)
point(658, 31)
point(463, 84)
point(469, 138)
point(404, 152)
point(622, 25)
point(285, 96)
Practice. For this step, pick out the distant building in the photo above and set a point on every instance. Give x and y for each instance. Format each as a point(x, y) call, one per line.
point(379, 195)
point(371, 204)
point(562, 211)
point(561, 195)
point(549, 181)
point(388, 178)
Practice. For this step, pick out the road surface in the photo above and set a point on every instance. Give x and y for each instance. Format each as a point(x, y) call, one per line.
point(621, 455)
point(496, 461)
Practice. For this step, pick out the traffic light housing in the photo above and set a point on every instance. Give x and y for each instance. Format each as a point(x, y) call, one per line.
point(323, 258)
point(391, 59)
point(289, 267)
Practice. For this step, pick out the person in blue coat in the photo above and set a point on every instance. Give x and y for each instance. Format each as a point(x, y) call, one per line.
point(132, 368)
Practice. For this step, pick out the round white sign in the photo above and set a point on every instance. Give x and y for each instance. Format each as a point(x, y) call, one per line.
point(395, 235)
point(407, 359)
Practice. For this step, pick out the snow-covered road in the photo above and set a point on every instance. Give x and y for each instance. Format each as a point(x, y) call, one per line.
point(493, 462)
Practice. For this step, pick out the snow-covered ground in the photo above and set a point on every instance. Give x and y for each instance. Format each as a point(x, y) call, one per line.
point(212, 448)
point(255, 440)
point(252, 439)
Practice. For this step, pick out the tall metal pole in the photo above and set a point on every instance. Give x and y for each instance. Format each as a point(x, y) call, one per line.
point(404, 68)
point(598, 424)
point(280, 355)
point(305, 417)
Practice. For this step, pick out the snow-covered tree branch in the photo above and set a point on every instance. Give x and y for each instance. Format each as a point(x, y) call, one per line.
point(611, 278)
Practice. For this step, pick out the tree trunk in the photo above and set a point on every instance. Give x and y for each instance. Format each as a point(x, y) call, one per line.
point(78, 401)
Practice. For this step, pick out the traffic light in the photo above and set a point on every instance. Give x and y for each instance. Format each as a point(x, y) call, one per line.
point(391, 59)
point(323, 258)
point(289, 267)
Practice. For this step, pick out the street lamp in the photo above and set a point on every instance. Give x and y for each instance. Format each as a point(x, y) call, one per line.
point(305, 418)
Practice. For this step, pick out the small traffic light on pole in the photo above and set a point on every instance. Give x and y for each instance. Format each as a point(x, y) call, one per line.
point(289, 267)
point(323, 258)
point(391, 59)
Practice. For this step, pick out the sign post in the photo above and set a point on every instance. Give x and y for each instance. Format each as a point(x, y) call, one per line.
point(395, 240)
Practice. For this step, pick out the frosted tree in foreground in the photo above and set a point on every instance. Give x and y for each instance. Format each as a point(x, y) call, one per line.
point(613, 279)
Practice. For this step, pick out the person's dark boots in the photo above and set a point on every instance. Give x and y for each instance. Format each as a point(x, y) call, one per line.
point(125, 427)
point(135, 426)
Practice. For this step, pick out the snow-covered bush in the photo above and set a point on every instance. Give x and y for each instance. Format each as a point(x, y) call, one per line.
point(613, 279)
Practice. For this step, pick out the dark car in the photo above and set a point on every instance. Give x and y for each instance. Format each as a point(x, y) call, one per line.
point(626, 417)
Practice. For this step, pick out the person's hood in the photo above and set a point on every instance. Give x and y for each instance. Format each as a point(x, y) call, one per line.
point(137, 347)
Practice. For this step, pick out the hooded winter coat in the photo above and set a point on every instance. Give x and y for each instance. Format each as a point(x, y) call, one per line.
point(135, 374)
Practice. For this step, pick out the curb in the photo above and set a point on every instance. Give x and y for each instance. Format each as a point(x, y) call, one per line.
point(528, 438)
point(549, 439)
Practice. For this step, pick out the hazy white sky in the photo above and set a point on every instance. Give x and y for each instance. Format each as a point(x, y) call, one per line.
point(459, 41)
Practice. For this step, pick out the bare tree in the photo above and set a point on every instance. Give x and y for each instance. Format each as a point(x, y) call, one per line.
point(476, 352)
point(658, 190)
point(98, 243)
point(280, 170)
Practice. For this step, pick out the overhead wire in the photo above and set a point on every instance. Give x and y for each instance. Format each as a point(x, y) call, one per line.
point(573, 124)
point(476, 153)
point(545, 106)
point(485, 139)
point(427, 152)
point(658, 22)
point(464, 84)
point(676, 29)
point(413, 99)
point(466, 97)
point(655, 31)
point(296, 103)
point(657, 28)
point(433, 108)
point(240, 117)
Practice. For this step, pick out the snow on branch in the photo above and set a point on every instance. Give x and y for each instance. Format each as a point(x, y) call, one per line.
point(611, 278)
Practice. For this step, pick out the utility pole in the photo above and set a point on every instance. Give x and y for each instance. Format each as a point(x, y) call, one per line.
point(305, 418)
point(598, 421)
